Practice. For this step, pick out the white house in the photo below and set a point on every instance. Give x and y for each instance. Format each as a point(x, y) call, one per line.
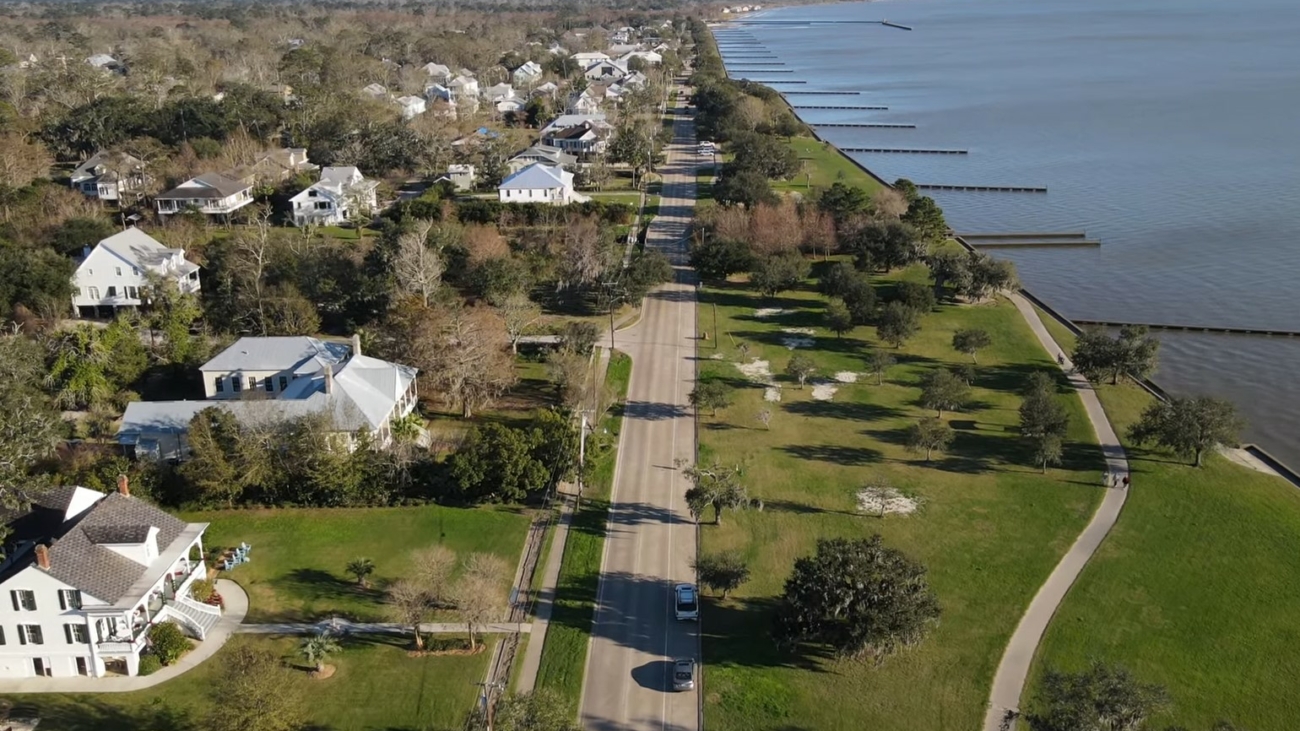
point(463, 87)
point(587, 58)
point(461, 176)
point(113, 275)
point(266, 380)
point(528, 74)
point(411, 106)
point(586, 102)
point(107, 175)
point(210, 193)
point(577, 133)
point(649, 57)
point(548, 89)
point(604, 71)
point(539, 183)
point(85, 576)
point(437, 72)
point(340, 193)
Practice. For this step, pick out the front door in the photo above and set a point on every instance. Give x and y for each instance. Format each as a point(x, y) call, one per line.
point(41, 666)
point(83, 667)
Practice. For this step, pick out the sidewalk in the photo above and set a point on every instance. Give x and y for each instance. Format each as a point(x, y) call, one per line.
point(236, 608)
point(344, 626)
point(1009, 682)
point(546, 598)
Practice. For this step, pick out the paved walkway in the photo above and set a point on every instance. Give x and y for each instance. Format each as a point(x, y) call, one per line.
point(1009, 682)
point(236, 608)
point(546, 599)
point(344, 626)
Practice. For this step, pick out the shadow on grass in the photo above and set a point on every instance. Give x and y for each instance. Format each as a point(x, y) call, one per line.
point(820, 344)
point(849, 456)
point(842, 410)
point(318, 585)
point(91, 714)
point(738, 632)
point(789, 506)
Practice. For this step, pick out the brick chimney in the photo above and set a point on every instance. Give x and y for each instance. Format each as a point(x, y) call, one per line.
point(329, 379)
point(123, 486)
point(43, 556)
point(356, 344)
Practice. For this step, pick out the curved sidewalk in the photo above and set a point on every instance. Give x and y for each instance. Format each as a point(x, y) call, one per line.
point(236, 608)
point(1013, 670)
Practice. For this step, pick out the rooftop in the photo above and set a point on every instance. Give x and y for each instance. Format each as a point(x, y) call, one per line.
point(301, 354)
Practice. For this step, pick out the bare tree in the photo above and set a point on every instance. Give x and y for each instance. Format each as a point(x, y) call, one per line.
point(417, 268)
point(432, 568)
point(409, 604)
point(478, 594)
point(484, 243)
point(569, 371)
point(21, 162)
point(253, 245)
point(519, 313)
point(583, 257)
point(888, 203)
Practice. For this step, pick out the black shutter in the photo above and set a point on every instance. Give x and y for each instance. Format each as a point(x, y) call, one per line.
point(63, 602)
point(14, 596)
point(22, 635)
point(67, 633)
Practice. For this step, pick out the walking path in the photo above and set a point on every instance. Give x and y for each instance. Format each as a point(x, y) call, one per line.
point(343, 626)
point(236, 608)
point(546, 598)
point(1009, 682)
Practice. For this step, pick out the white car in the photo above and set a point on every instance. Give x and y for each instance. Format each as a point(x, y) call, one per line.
point(687, 602)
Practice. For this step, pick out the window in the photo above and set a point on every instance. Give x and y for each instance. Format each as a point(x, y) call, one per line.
point(235, 383)
point(194, 276)
point(219, 382)
point(133, 293)
point(252, 383)
point(69, 599)
point(135, 271)
point(118, 271)
point(269, 384)
point(30, 634)
point(76, 634)
point(24, 599)
point(112, 292)
point(94, 292)
point(284, 383)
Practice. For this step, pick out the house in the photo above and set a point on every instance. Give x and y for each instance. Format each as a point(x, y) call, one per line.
point(578, 134)
point(541, 154)
point(438, 91)
point(86, 575)
point(210, 193)
point(539, 183)
point(411, 106)
point(463, 88)
point(114, 274)
point(108, 175)
point(528, 74)
point(549, 89)
point(573, 120)
point(105, 62)
point(588, 101)
point(340, 194)
point(650, 58)
point(604, 71)
point(622, 35)
point(266, 380)
point(587, 58)
point(273, 166)
point(616, 51)
point(437, 72)
point(556, 49)
point(461, 176)
point(503, 98)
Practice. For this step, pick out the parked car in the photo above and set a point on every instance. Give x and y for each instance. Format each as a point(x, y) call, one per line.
point(684, 673)
point(688, 602)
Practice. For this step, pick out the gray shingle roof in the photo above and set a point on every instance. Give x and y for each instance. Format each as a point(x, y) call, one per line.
point(78, 559)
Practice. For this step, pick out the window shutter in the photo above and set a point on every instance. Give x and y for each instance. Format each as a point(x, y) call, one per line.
point(14, 596)
point(22, 635)
point(67, 633)
point(63, 600)
point(2, 635)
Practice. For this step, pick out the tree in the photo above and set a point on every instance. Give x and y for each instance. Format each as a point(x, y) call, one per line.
point(838, 279)
point(1100, 697)
point(926, 218)
point(1133, 352)
point(712, 394)
point(800, 367)
point(970, 342)
point(742, 187)
point(764, 417)
point(409, 605)
point(927, 435)
point(498, 462)
point(75, 234)
point(724, 571)
point(167, 642)
point(951, 272)
point(477, 595)
point(775, 274)
point(943, 391)
point(431, 569)
point(541, 710)
point(717, 258)
point(1048, 450)
point(884, 245)
point(858, 597)
point(888, 203)
point(913, 295)
point(173, 313)
point(22, 161)
point(838, 318)
point(897, 324)
point(268, 698)
point(89, 365)
point(989, 276)
point(842, 202)
point(1189, 426)
point(715, 486)
point(361, 569)
point(878, 361)
point(30, 429)
point(417, 266)
point(317, 648)
point(646, 270)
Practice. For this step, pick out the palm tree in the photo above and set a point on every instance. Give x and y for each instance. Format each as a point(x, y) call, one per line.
point(361, 568)
point(316, 648)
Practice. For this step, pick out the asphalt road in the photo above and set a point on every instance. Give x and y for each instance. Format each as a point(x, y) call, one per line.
point(651, 537)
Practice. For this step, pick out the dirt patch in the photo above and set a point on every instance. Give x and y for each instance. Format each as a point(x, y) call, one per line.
point(756, 370)
point(798, 337)
point(846, 377)
point(765, 312)
point(894, 502)
point(325, 673)
point(454, 651)
point(824, 390)
point(772, 393)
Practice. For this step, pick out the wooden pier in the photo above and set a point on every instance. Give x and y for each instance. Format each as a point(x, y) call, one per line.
point(983, 188)
point(1031, 244)
point(1037, 235)
point(1193, 328)
point(836, 106)
point(894, 150)
point(866, 125)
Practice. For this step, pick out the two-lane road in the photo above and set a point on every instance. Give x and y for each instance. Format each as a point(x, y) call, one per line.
point(651, 539)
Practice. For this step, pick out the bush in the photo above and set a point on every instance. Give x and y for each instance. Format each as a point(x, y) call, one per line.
point(149, 664)
point(202, 590)
point(168, 642)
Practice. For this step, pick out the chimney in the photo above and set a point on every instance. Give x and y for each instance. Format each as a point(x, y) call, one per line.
point(123, 486)
point(329, 379)
point(356, 344)
point(43, 556)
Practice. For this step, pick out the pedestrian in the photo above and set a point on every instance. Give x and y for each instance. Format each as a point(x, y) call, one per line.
point(1125, 482)
point(1060, 359)
point(1107, 479)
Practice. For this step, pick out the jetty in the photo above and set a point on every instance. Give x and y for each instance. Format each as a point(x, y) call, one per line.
point(880, 125)
point(895, 25)
point(1026, 235)
point(1030, 244)
point(1218, 330)
point(1026, 239)
point(825, 93)
point(762, 71)
point(836, 106)
point(895, 150)
point(983, 188)
point(762, 63)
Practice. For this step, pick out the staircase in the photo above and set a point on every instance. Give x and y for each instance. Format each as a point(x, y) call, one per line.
point(200, 618)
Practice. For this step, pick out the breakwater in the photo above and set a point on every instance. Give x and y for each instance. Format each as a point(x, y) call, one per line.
point(838, 106)
point(895, 150)
point(821, 93)
point(982, 188)
point(864, 125)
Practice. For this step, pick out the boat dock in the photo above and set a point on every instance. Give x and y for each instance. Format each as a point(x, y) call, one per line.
point(893, 150)
point(983, 188)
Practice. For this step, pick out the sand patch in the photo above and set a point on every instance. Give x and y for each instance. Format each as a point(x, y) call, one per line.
point(870, 502)
point(798, 337)
point(824, 391)
point(846, 377)
point(772, 393)
point(756, 370)
point(765, 312)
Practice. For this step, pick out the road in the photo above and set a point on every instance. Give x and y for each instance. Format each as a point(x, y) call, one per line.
point(651, 538)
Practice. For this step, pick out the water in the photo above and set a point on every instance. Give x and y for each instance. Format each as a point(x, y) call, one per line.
point(1166, 129)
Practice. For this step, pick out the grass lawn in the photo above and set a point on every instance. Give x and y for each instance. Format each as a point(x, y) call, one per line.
point(376, 686)
point(824, 165)
point(299, 555)
point(989, 528)
point(1193, 589)
point(564, 656)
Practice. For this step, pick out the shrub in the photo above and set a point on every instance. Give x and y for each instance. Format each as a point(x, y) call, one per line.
point(149, 664)
point(202, 589)
point(168, 642)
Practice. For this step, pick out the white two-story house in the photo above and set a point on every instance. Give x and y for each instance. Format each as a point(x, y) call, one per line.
point(341, 193)
point(211, 193)
point(267, 379)
point(114, 274)
point(84, 577)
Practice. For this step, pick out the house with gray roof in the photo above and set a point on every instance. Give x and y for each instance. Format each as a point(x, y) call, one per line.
point(210, 193)
point(264, 381)
point(113, 276)
point(539, 183)
point(544, 155)
point(84, 577)
point(107, 175)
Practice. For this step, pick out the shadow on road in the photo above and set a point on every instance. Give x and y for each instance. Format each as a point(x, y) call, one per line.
point(654, 675)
